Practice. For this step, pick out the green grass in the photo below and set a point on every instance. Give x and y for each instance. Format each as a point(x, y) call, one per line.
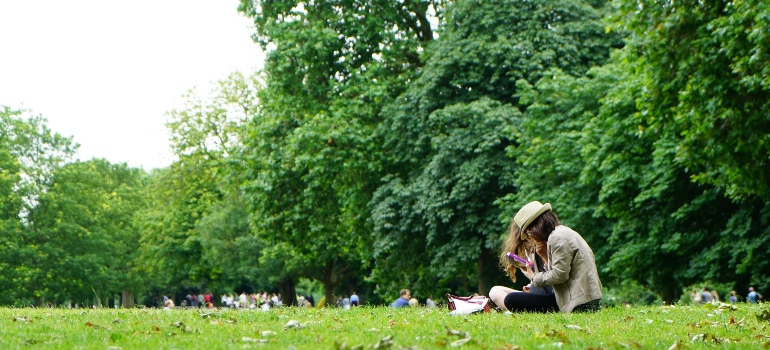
point(611, 328)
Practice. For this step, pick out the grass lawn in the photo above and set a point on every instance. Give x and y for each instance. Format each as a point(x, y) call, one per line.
point(693, 327)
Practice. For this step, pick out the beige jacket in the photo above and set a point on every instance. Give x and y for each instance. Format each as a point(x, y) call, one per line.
point(571, 270)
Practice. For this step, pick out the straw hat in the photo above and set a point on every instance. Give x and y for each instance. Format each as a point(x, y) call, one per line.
point(529, 213)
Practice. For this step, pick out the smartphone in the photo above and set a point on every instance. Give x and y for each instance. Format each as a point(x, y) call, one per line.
point(519, 260)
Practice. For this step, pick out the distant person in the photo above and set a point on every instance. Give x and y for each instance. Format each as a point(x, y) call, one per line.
point(168, 303)
point(243, 301)
point(339, 302)
point(696, 297)
point(715, 295)
point(705, 296)
point(201, 300)
point(429, 302)
point(304, 302)
point(753, 296)
point(403, 301)
point(413, 302)
point(354, 299)
point(733, 297)
point(208, 298)
point(346, 303)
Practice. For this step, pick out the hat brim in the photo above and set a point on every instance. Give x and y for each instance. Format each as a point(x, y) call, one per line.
point(546, 207)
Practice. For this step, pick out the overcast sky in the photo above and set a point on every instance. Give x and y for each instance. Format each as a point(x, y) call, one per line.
point(106, 71)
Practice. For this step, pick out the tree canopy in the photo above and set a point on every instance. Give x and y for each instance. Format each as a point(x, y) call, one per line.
point(387, 144)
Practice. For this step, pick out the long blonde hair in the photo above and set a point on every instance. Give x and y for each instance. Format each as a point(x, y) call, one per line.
point(514, 244)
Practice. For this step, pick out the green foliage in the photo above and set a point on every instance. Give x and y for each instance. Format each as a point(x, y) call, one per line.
point(710, 94)
point(386, 145)
point(29, 155)
point(446, 138)
point(313, 162)
point(196, 228)
point(82, 239)
point(619, 183)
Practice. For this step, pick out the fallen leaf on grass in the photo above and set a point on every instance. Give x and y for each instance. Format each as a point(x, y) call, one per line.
point(457, 333)
point(509, 347)
point(460, 342)
point(676, 346)
point(561, 336)
point(577, 328)
point(705, 337)
point(293, 324)
point(764, 315)
point(21, 319)
point(268, 333)
point(117, 320)
point(31, 341)
point(94, 326)
point(384, 343)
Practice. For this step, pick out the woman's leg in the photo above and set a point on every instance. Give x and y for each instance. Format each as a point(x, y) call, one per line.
point(498, 294)
point(528, 302)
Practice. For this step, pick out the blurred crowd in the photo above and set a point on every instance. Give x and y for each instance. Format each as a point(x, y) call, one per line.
point(706, 295)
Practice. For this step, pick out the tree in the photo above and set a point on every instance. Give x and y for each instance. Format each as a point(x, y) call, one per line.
point(84, 241)
point(313, 163)
point(706, 66)
point(585, 147)
point(29, 153)
point(446, 136)
point(197, 209)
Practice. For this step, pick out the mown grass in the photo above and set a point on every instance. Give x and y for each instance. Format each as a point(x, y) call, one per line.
point(694, 327)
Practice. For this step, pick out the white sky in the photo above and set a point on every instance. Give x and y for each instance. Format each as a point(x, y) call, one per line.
point(106, 71)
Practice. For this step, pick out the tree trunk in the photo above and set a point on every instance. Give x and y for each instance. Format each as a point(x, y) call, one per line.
point(127, 300)
point(288, 293)
point(480, 265)
point(329, 285)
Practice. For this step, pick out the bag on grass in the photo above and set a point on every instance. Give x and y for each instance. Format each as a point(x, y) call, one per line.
point(467, 305)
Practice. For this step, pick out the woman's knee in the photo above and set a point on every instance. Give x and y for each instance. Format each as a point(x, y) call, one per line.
point(496, 290)
point(497, 294)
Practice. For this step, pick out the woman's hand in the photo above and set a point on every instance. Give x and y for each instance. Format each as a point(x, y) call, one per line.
point(526, 289)
point(542, 249)
point(527, 271)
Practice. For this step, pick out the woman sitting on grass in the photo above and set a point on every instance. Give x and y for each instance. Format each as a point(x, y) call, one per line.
point(564, 275)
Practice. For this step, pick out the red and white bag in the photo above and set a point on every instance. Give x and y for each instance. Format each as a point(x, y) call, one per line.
point(467, 305)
